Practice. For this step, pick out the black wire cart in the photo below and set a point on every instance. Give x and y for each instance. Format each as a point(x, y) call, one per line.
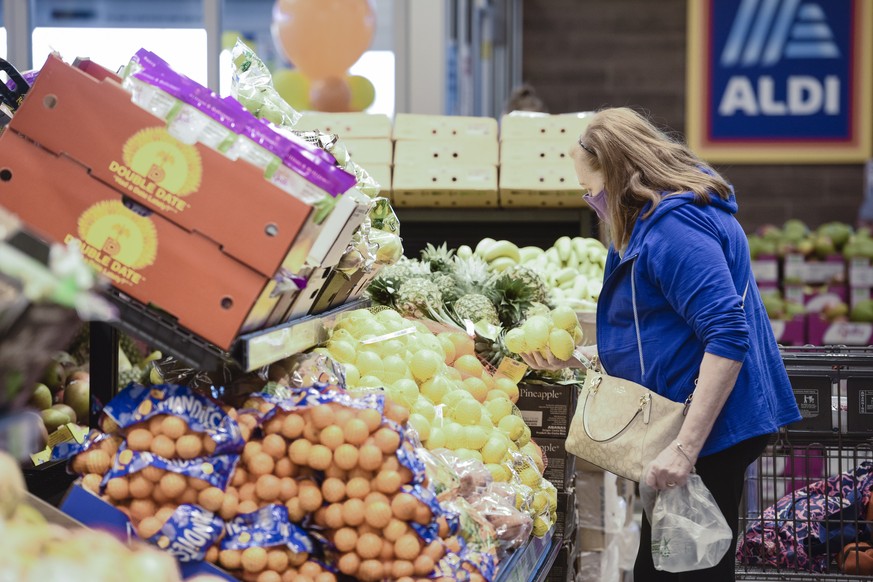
point(807, 496)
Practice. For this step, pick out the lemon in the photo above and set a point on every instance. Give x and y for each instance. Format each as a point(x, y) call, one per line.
point(536, 332)
point(561, 344)
point(563, 317)
point(515, 341)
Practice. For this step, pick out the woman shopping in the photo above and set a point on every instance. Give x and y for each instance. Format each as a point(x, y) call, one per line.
point(680, 313)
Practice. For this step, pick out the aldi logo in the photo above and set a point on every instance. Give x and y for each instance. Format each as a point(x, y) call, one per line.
point(780, 80)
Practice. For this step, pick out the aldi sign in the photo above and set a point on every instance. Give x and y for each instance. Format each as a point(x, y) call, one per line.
point(785, 81)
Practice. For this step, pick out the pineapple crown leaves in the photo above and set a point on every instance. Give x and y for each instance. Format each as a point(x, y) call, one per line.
point(514, 296)
point(439, 258)
point(471, 274)
point(420, 297)
point(475, 307)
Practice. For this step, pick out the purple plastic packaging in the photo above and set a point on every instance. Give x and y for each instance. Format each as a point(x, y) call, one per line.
point(314, 165)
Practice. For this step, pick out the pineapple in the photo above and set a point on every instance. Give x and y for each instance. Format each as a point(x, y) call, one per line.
point(418, 297)
point(476, 307)
point(446, 284)
point(383, 290)
point(531, 279)
point(493, 351)
point(515, 296)
point(470, 274)
point(439, 258)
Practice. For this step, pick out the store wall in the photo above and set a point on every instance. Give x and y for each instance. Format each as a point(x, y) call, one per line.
point(585, 54)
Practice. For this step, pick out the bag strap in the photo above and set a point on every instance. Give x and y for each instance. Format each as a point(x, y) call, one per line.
point(643, 401)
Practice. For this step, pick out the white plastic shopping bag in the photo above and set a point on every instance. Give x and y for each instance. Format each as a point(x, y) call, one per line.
point(688, 530)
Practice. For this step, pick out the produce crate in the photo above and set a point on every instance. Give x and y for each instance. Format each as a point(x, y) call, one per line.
point(346, 125)
point(765, 269)
point(860, 272)
point(800, 269)
point(369, 151)
point(538, 185)
point(458, 185)
point(560, 465)
point(821, 332)
point(145, 255)
point(535, 151)
point(816, 299)
point(547, 408)
point(529, 125)
point(416, 126)
point(469, 150)
point(93, 122)
point(791, 332)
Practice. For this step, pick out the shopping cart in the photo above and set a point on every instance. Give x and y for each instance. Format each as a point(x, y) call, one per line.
point(806, 496)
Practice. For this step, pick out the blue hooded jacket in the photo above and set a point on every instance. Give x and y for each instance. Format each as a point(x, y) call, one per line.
point(677, 292)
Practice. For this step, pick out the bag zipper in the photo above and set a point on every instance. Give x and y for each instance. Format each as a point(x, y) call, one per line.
point(637, 319)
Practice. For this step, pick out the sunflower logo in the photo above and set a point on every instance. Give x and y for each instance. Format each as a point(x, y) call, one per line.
point(174, 166)
point(127, 237)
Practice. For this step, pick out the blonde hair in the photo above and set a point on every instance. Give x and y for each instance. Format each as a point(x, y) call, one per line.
point(642, 164)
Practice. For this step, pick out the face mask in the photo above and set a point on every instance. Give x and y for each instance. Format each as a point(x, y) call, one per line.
point(598, 204)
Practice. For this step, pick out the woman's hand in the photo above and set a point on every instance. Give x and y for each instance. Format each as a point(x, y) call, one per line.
point(546, 360)
point(669, 469)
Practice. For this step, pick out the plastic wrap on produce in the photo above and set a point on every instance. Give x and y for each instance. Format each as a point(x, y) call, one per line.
point(252, 85)
point(189, 533)
point(383, 217)
point(440, 474)
point(311, 368)
point(137, 403)
point(267, 527)
point(215, 470)
point(512, 526)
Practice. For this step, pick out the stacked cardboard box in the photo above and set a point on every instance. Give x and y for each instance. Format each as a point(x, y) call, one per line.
point(202, 238)
point(548, 409)
point(605, 508)
point(535, 165)
point(367, 137)
point(445, 161)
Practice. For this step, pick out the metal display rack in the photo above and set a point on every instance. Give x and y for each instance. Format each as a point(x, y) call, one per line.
point(834, 389)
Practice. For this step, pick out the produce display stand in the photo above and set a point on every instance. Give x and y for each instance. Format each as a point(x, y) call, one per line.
point(532, 561)
point(833, 390)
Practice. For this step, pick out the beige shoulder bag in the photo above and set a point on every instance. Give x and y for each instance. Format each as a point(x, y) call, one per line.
point(621, 426)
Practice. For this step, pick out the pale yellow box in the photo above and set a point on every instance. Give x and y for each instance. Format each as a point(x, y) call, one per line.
point(536, 151)
point(371, 150)
point(473, 150)
point(526, 125)
point(414, 126)
point(346, 125)
point(536, 185)
point(456, 185)
point(382, 174)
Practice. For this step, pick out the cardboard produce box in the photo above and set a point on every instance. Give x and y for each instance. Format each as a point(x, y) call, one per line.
point(565, 524)
point(766, 269)
point(821, 332)
point(604, 505)
point(799, 269)
point(458, 185)
point(536, 185)
point(791, 332)
point(370, 151)
point(346, 125)
point(93, 121)
point(530, 126)
point(547, 409)
point(473, 151)
point(536, 151)
point(145, 255)
point(382, 174)
point(560, 465)
point(415, 126)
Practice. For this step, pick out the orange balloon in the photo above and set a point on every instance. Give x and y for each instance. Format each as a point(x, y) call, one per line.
point(323, 38)
point(331, 94)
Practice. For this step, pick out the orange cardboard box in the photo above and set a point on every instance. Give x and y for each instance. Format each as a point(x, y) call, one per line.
point(146, 256)
point(90, 118)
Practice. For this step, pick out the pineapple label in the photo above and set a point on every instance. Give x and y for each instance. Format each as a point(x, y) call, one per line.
point(159, 169)
point(119, 242)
